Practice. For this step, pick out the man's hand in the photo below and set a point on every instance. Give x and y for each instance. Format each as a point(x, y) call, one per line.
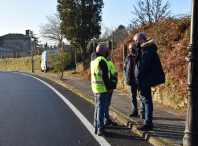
point(109, 91)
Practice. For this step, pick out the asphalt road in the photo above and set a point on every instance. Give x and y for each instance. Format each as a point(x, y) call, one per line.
point(32, 114)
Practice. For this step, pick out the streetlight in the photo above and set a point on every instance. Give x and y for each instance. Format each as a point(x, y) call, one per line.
point(32, 40)
point(191, 130)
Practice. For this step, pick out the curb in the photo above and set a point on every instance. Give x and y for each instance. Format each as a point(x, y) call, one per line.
point(147, 135)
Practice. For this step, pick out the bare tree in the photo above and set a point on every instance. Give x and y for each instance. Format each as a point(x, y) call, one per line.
point(116, 34)
point(106, 33)
point(51, 30)
point(149, 11)
point(158, 11)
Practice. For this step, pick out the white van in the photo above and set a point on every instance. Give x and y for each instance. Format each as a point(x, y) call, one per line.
point(45, 60)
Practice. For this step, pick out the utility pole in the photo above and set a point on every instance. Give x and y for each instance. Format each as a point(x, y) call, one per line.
point(191, 130)
point(32, 40)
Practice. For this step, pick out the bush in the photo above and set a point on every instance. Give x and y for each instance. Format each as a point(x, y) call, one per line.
point(172, 38)
point(60, 62)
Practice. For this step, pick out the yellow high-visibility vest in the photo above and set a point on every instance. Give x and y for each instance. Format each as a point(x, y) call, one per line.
point(96, 80)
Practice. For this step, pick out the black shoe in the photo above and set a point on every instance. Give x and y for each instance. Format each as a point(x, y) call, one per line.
point(133, 114)
point(109, 123)
point(145, 127)
point(142, 115)
point(104, 134)
point(95, 131)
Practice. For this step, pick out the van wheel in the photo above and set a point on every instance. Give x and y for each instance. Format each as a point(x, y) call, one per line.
point(42, 70)
point(45, 70)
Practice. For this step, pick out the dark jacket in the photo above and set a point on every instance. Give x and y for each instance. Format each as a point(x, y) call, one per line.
point(127, 70)
point(148, 68)
point(103, 70)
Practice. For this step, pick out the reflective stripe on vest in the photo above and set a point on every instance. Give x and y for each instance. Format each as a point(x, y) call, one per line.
point(96, 80)
point(114, 81)
point(95, 74)
point(99, 74)
point(115, 75)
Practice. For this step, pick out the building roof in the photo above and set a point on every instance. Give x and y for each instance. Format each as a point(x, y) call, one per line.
point(14, 36)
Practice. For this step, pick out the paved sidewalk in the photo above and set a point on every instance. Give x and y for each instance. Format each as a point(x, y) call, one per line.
point(169, 124)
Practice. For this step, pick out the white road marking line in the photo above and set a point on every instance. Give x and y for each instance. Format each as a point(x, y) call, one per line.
point(87, 124)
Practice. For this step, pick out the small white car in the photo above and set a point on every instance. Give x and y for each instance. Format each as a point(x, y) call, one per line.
point(45, 60)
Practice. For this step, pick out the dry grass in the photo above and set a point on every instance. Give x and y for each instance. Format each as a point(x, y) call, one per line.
point(24, 63)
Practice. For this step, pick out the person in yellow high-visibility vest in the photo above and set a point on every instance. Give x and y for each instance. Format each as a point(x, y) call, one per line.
point(114, 80)
point(101, 86)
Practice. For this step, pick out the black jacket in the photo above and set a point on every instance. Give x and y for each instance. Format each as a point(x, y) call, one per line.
point(148, 68)
point(103, 70)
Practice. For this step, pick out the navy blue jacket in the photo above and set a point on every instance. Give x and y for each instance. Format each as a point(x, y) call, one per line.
point(148, 68)
point(127, 70)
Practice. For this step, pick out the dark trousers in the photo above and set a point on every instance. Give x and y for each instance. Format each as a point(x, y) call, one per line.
point(133, 90)
point(106, 114)
point(145, 95)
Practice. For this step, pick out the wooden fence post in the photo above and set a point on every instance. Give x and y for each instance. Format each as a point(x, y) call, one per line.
point(83, 59)
point(90, 51)
point(38, 51)
point(109, 46)
point(112, 42)
point(54, 47)
point(125, 52)
point(16, 54)
point(94, 46)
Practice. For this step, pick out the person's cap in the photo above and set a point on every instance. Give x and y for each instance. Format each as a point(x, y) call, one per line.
point(101, 49)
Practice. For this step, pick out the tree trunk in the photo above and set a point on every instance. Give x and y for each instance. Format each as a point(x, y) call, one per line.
point(90, 52)
point(75, 52)
point(148, 10)
point(61, 77)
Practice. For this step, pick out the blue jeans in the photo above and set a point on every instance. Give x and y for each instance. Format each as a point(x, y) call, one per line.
point(145, 95)
point(100, 107)
point(106, 114)
point(133, 90)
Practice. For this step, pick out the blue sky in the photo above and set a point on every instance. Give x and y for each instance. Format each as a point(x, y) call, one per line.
point(16, 16)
